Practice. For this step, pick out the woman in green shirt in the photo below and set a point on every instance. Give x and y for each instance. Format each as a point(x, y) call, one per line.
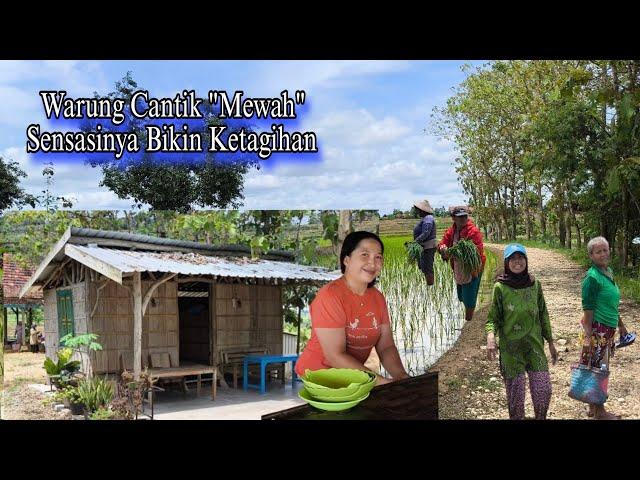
point(519, 316)
point(600, 300)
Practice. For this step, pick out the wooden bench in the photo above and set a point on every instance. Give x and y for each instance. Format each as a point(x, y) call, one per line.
point(232, 361)
point(162, 366)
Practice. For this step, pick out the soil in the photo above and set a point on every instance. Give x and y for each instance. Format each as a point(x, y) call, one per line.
point(471, 386)
point(21, 401)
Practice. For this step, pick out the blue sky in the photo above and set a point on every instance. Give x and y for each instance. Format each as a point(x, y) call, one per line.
point(369, 117)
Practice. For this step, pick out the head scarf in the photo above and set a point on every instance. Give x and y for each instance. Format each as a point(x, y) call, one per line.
point(517, 281)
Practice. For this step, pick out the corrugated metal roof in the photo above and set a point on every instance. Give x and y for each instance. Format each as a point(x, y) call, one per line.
point(194, 264)
point(90, 233)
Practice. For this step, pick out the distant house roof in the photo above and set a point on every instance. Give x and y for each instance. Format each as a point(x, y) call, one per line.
point(115, 254)
point(13, 279)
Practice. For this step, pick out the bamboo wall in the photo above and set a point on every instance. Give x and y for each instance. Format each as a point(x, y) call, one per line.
point(113, 322)
point(257, 322)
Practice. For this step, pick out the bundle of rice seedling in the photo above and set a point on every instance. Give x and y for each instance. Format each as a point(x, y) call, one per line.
point(466, 252)
point(414, 250)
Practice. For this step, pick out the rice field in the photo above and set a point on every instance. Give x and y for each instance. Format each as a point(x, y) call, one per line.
point(426, 321)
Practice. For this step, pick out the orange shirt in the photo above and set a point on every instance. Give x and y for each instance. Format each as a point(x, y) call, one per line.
point(336, 306)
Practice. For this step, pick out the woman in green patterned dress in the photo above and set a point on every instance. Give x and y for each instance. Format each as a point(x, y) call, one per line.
point(519, 317)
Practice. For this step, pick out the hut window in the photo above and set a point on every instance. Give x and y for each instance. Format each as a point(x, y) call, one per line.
point(65, 313)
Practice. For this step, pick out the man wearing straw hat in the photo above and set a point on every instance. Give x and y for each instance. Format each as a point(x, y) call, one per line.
point(424, 233)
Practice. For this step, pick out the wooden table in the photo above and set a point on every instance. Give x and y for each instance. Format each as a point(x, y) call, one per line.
point(186, 370)
point(413, 398)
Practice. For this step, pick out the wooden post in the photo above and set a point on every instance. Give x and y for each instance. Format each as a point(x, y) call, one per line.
point(137, 325)
point(5, 324)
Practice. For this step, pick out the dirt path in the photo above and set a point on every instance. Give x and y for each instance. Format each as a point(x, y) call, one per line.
point(20, 401)
point(471, 386)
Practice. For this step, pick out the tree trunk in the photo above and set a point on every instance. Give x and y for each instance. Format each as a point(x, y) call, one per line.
point(569, 233)
point(344, 228)
point(624, 247)
point(562, 228)
point(542, 217)
point(298, 232)
point(5, 324)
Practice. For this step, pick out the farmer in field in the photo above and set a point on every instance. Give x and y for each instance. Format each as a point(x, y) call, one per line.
point(519, 316)
point(349, 316)
point(467, 268)
point(424, 233)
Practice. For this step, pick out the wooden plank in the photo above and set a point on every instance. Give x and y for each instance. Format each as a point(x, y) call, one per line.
point(137, 325)
point(152, 289)
point(213, 329)
point(55, 250)
point(413, 398)
point(94, 263)
point(173, 372)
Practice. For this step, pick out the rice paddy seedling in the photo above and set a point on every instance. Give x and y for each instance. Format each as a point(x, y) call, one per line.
point(414, 250)
point(467, 254)
point(425, 320)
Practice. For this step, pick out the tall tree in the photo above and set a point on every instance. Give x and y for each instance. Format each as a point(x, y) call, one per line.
point(11, 194)
point(204, 182)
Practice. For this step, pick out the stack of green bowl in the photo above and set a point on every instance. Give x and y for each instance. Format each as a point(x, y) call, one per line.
point(336, 389)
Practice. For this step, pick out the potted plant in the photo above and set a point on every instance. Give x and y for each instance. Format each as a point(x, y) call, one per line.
point(73, 401)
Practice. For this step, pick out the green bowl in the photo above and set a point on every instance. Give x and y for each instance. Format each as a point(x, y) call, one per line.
point(336, 378)
point(336, 396)
point(329, 406)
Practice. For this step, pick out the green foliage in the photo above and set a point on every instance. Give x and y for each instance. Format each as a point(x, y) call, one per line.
point(414, 251)
point(10, 192)
point(81, 342)
point(71, 394)
point(330, 223)
point(206, 183)
point(550, 149)
point(95, 393)
point(102, 413)
point(467, 253)
point(64, 363)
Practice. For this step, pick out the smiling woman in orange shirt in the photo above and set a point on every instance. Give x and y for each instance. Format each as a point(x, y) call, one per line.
point(349, 316)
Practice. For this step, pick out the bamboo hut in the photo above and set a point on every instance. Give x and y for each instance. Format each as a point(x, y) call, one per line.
point(144, 295)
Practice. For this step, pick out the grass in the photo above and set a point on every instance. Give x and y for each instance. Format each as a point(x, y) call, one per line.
point(484, 383)
point(454, 382)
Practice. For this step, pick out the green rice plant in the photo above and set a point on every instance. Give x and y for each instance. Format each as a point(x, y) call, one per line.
point(466, 252)
point(425, 320)
point(414, 251)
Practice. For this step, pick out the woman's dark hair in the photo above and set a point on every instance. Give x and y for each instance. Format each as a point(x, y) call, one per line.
point(351, 242)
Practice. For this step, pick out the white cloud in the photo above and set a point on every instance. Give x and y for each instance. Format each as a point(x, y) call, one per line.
point(20, 82)
point(369, 162)
point(18, 107)
point(292, 75)
point(358, 128)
